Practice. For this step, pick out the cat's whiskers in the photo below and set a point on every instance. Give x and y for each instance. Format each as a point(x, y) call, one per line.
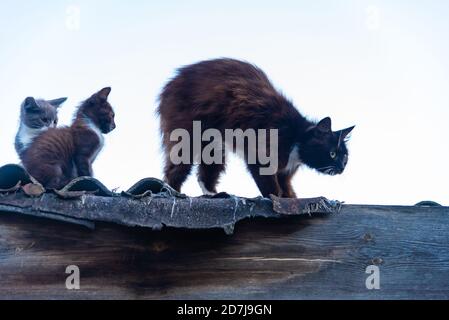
point(330, 170)
point(324, 168)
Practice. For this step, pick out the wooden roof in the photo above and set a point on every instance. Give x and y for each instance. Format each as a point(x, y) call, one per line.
point(272, 248)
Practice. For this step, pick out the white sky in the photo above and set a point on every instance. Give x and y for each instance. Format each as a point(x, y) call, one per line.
point(381, 65)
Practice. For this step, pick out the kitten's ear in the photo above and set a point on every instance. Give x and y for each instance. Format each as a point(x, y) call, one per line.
point(345, 132)
point(57, 102)
point(325, 125)
point(30, 105)
point(103, 94)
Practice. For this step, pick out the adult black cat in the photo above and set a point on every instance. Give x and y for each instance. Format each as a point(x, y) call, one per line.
point(230, 94)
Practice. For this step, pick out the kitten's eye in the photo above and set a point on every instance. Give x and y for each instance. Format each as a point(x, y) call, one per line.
point(45, 120)
point(333, 154)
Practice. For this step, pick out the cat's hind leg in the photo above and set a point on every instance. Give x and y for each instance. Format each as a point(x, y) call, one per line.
point(50, 176)
point(208, 176)
point(176, 175)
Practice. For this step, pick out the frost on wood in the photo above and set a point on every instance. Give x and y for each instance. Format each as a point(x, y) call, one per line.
point(150, 203)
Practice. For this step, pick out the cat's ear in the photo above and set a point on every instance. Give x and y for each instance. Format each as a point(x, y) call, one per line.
point(345, 132)
point(30, 105)
point(57, 102)
point(103, 94)
point(325, 125)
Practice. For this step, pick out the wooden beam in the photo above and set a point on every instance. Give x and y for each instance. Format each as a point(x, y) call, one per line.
point(324, 257)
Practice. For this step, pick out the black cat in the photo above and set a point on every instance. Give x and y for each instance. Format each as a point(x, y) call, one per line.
point(230, 94)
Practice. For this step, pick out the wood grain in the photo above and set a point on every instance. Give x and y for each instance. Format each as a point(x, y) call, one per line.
point(324, 257)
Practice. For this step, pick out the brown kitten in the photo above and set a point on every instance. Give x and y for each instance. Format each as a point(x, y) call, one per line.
point(59, 155)
point(231, 94)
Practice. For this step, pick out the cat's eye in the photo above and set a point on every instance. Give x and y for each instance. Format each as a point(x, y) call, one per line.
point(333, 154)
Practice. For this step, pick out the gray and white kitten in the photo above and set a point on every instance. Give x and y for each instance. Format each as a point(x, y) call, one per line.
point(36, 116)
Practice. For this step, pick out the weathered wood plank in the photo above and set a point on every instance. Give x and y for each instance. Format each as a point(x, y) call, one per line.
point(149, 203)
point(155, 212)
point(293, 258)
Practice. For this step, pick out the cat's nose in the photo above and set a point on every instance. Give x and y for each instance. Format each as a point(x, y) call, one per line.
point(341, 168)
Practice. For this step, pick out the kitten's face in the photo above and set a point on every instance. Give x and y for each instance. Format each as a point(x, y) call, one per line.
point(38, 114)
point(100, 111)
point(325, 150)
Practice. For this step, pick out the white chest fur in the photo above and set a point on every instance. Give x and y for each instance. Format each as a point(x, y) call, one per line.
point(91, 125)
point(27, 135)
point(293, 161)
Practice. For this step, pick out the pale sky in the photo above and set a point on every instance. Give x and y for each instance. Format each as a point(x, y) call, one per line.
point(380, 65)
